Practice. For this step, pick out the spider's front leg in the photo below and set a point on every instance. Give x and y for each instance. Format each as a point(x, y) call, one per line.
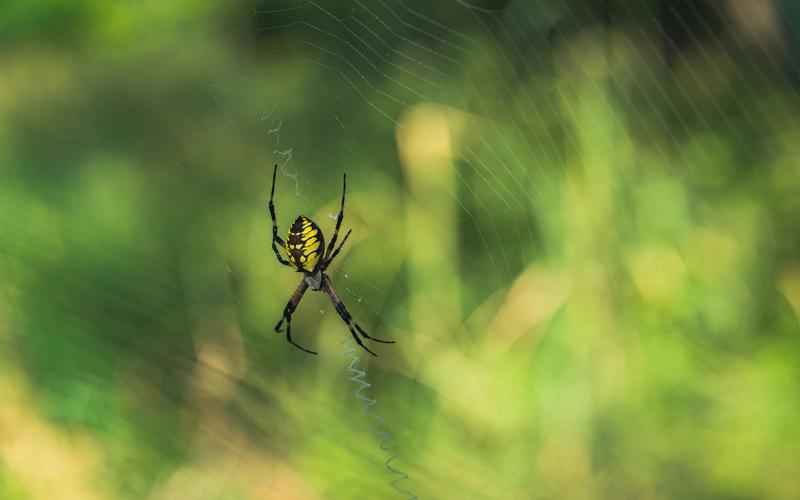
point(355, 329)
point(297, 296)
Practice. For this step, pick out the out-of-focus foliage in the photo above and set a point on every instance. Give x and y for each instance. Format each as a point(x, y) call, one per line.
point(577, 219)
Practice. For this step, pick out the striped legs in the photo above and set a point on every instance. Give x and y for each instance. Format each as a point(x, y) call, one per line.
point(287, 315)
point(355, 330)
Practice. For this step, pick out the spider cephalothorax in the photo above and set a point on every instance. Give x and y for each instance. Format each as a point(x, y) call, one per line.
point(306, 252)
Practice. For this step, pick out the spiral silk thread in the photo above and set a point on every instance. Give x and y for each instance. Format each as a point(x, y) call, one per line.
point(385, 436)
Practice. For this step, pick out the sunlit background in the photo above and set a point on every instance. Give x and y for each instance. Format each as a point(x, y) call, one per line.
point(579, 220)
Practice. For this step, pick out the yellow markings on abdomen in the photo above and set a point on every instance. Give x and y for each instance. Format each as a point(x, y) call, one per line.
point(305, 244)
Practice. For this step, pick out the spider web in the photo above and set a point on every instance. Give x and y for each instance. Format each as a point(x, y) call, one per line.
point(536, 96)
point(515, 68)
point(386, 58)
point(577, 219)
point(510, 65)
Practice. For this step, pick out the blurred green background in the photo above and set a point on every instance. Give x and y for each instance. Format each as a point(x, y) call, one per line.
point(579, 220)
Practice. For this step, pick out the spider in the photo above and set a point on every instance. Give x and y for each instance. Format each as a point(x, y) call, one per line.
point(304, 247)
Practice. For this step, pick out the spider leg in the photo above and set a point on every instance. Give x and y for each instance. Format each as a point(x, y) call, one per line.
point(289, 338)
point(336, 252)
point(287, 315)
point(275, 237)
point(339, 219)
point(355, 335)
point(362, 332)
point(355, 330)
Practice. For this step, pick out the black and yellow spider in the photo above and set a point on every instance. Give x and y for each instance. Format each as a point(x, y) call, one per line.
point(304, 248)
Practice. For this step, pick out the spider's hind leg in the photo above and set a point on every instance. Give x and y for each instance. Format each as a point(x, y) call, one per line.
point(277, 241)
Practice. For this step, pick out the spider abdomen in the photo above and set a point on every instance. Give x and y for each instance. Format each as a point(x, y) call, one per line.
point(305, 244)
